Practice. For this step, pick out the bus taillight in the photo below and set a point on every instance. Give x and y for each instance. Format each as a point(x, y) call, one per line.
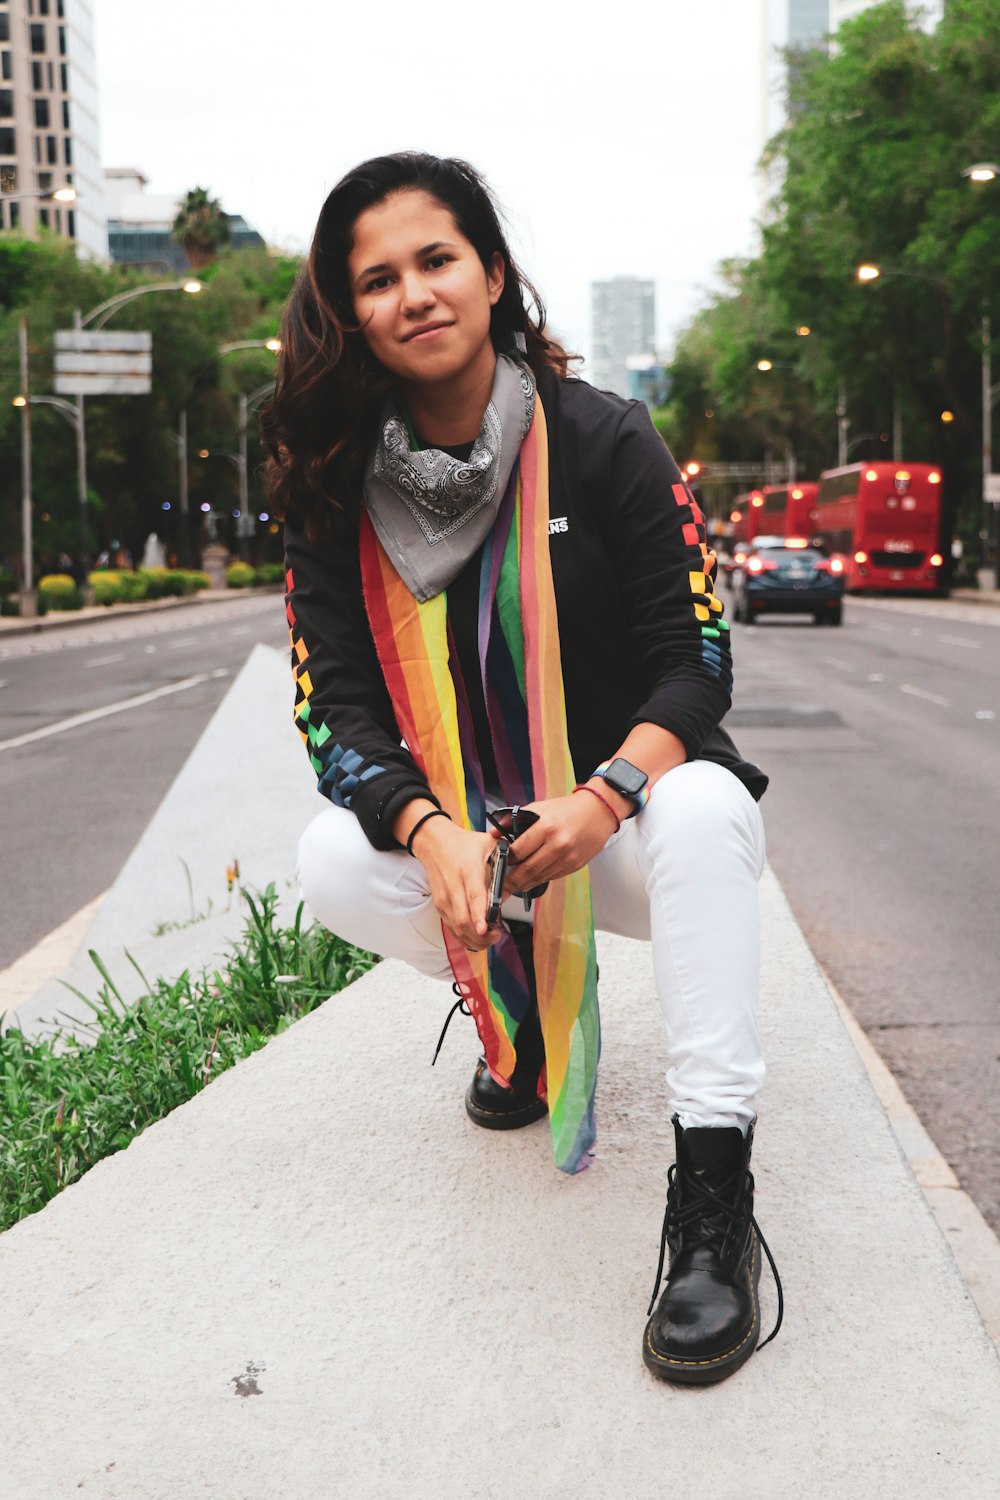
point(936, 560)
point(836, 565)
point(871, 474)
point(934, 477)
point(861, 557)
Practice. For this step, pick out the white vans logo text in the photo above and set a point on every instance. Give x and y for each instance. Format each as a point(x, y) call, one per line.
point(558, 523)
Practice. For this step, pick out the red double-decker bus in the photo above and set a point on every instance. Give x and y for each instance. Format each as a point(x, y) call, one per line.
point(885, 519)
point(775, 510)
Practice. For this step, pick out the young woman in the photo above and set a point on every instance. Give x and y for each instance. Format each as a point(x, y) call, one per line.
point(511, 668)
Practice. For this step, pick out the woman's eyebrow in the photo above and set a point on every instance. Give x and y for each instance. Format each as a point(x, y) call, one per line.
point(419, 254)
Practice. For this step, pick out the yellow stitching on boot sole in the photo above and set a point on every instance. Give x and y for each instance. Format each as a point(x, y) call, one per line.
point(503, 1114)
point(665, 1359)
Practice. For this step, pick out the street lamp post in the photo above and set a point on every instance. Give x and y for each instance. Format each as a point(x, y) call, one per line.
point(72, 416)
point(99, 316)
point(245, 529)
point(29, 601)
point(765, 366)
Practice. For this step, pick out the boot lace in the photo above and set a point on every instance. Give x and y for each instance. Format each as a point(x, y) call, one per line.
point(460, 1004)
point(705, 1217)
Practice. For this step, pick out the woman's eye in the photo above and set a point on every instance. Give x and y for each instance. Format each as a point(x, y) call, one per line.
point(436, 261)
point(377, 284)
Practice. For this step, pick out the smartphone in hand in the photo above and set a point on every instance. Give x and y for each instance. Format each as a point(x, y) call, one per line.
point(511, 822)
point(494, 887)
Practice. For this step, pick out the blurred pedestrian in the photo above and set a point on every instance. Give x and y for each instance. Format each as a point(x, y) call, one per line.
point(508, 649)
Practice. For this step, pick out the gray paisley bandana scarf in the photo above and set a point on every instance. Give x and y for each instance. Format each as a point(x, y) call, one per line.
point(432, 512)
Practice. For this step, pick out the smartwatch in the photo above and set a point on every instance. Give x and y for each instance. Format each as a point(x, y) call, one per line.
point(623, 777)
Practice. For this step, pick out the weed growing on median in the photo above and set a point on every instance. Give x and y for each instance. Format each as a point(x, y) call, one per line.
point(70, 1099)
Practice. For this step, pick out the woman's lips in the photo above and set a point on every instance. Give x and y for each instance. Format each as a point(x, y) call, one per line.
point(426, 333)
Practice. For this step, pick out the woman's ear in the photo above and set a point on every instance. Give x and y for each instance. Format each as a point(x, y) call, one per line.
point(495, 278)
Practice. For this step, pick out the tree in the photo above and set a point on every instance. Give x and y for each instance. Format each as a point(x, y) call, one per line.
point(201, 227)
point(131, 440)
point(869, 168)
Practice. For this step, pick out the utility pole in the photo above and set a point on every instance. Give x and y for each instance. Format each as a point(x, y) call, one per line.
point(182, 487)
point(81, 471)
point(29, 601)
point(246, 527)
point(843, 422)
point(990, 511)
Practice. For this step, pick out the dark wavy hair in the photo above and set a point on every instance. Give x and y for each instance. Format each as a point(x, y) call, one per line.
point(321, 423)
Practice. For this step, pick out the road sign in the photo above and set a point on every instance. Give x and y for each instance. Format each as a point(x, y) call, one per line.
point(991, 488)
point(103, 364)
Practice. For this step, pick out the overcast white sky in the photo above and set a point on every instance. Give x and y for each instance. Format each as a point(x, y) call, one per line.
point(620, 139)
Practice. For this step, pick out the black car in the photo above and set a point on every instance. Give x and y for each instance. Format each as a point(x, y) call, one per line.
point(788, 575)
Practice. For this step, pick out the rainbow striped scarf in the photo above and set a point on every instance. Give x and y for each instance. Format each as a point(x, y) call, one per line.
point(522, 680)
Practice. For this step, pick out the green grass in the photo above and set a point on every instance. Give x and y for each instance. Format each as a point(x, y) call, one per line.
point(74, 1097)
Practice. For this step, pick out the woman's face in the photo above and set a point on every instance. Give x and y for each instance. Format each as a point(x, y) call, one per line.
point(420, 291)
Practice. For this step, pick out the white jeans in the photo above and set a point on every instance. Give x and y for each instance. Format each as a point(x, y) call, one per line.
point(682, 875)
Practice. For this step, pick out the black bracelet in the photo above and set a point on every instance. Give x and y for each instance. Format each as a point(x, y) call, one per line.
point(435, 812)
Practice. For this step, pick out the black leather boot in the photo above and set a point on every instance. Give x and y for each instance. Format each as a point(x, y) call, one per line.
point(707, 1322)
point(486, 1102)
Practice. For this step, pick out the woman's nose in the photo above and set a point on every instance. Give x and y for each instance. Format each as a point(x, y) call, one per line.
point(415, 292)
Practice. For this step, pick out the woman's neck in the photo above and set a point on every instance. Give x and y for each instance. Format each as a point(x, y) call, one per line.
point(448, 413)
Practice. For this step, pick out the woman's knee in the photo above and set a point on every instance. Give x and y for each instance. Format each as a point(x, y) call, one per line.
point(331, 867)
point(703, 806)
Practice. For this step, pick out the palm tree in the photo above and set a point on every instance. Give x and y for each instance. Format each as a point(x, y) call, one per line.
point(201, 227)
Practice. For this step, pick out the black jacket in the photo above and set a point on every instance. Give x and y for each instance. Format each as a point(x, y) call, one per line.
point(633, 599)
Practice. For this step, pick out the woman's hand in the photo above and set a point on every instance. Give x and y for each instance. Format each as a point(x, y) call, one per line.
point(456, 861)
point(569, 832)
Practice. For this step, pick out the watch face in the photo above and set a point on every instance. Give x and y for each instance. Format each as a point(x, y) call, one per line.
point(625, 777)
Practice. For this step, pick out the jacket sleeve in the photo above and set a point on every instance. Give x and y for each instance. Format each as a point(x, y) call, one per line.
point(342, 707)
point(666, 574)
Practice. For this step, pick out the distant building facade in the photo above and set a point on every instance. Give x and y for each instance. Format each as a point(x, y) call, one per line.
point(140, 224)
point(49, 128)
point(623, 326)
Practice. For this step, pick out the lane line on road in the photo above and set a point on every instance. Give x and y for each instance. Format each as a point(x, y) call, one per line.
point(112, 708)
point(105, 661)
point(914, 692)
point(956, 640)
point(832, 661)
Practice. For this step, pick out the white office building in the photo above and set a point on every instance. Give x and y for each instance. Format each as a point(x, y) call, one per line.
point(623, 326)
point(49, 130)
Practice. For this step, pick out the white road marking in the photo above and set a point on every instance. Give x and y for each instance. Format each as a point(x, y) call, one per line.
point(150, 650)
point(886, 629)
point(243, 630)
point(105, 661)
point(957, 640)
point(985, 713)
point(181, 645)
point(875, 677)
point(112, 708)
point(833, 662)
point(913, 692)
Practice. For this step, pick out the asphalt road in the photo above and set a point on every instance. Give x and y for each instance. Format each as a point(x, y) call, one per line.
point(882, 739)
point(73, 804)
